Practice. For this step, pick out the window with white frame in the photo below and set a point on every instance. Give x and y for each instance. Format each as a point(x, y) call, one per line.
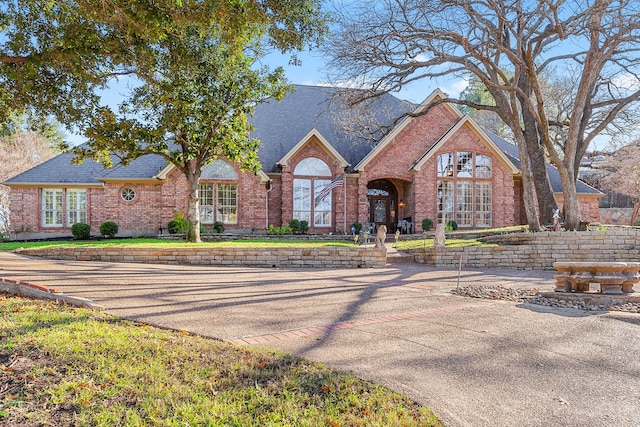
point(227, 203)
point(52, 207)
point(218, 194)
point(311, 176)
point(76, 206)
point(464, 189)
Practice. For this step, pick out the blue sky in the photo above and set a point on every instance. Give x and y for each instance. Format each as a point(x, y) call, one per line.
point(312, 71)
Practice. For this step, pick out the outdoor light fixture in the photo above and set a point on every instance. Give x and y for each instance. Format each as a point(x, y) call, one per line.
point(401, 204)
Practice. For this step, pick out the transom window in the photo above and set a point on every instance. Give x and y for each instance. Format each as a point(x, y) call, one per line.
point(310, 204)
point(218, 195)
point(464, 192)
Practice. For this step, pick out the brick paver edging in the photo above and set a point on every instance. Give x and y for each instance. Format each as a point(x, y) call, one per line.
point(315, 330)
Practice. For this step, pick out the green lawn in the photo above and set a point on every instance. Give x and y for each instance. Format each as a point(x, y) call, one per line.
point(69, 366)
point(159, 243)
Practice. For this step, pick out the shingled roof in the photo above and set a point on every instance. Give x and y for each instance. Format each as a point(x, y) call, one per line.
point(60, 171)
point(279, 126)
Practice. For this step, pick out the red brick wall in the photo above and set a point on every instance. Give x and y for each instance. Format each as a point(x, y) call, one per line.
point(313, 148)
point(152, 208)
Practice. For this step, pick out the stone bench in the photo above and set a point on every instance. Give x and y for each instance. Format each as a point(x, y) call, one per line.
point(614, 278)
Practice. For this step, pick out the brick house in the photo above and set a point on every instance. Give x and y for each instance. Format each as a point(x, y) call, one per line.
point(439, 165)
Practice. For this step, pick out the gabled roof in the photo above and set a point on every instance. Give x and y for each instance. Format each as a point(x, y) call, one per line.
point(283, 127)
point(466, 121)
point(435, 96)
point(323, 142)
point(280, 126)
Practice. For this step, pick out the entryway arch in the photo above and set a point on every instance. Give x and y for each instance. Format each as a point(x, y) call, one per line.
point(382, 198)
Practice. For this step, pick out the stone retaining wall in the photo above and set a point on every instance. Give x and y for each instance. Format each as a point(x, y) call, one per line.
point(538, 251)
point(324, 257)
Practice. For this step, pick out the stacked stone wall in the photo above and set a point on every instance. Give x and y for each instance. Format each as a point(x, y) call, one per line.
point(287, 257)
point(538, 251)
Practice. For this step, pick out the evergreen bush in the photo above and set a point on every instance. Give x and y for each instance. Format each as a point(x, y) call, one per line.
point(108, 229)
point(81, 231)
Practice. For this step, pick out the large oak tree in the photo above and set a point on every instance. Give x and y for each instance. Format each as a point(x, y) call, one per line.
point(193, 63)
point(507, 45)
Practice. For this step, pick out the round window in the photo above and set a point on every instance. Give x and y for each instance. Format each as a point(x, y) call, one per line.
point(128, 194)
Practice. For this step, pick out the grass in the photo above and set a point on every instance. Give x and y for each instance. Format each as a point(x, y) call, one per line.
point(69, 366)
point(404, 245)
point(159, 243)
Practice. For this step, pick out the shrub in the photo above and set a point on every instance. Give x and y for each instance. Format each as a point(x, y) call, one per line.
point(304, 226)
point(285, 229)
point(179, 225)
point(218, 227)
point(357, 226)
point(427, 224)
point(81, 231)
point(294, 224)
point(108, 229)
point(451, 226)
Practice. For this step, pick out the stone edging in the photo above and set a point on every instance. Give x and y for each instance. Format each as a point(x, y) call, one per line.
point(284, 257)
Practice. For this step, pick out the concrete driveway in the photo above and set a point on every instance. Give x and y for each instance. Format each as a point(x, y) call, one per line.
point(473, 362)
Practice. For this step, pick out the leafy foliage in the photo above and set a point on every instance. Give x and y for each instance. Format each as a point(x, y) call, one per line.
point(179, 225)
point(193, 67)
point(218, 227)
point(81, 231)
point(108, 229)
point(427, 224)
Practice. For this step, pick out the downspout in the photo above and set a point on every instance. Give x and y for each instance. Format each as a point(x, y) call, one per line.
point(266, 202)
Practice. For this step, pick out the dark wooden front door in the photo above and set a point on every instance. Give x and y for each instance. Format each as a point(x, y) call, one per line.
point(382, 204)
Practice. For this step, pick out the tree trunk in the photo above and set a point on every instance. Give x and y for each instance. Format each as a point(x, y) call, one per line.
point(571, 205)
point(193, 209)
point(636, 211)
point(547, 203)
point(527, 188)
point(546, 200)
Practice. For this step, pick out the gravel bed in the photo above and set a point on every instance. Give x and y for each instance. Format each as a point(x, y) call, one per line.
point(531, 296)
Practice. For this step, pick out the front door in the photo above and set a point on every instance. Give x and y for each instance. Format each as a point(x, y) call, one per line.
point(382, 197)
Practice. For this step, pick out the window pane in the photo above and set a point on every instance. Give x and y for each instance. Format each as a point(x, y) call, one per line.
point(464, 204)
point(206, 203)
point(322, 207)
point(219, 169)
point(52, 207)
point(445, 201)
point(312, 166)
point(465, 165)
point(76, 206)
point(445, 164)
point(227, 203)
point(483, 204)
point(302, 199)
point(483, 166)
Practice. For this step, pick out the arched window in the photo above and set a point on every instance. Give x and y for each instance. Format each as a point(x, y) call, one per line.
point(218, 193)
point(464, 188)
point(312, 166)
point(310, 203)
point(219, 169)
